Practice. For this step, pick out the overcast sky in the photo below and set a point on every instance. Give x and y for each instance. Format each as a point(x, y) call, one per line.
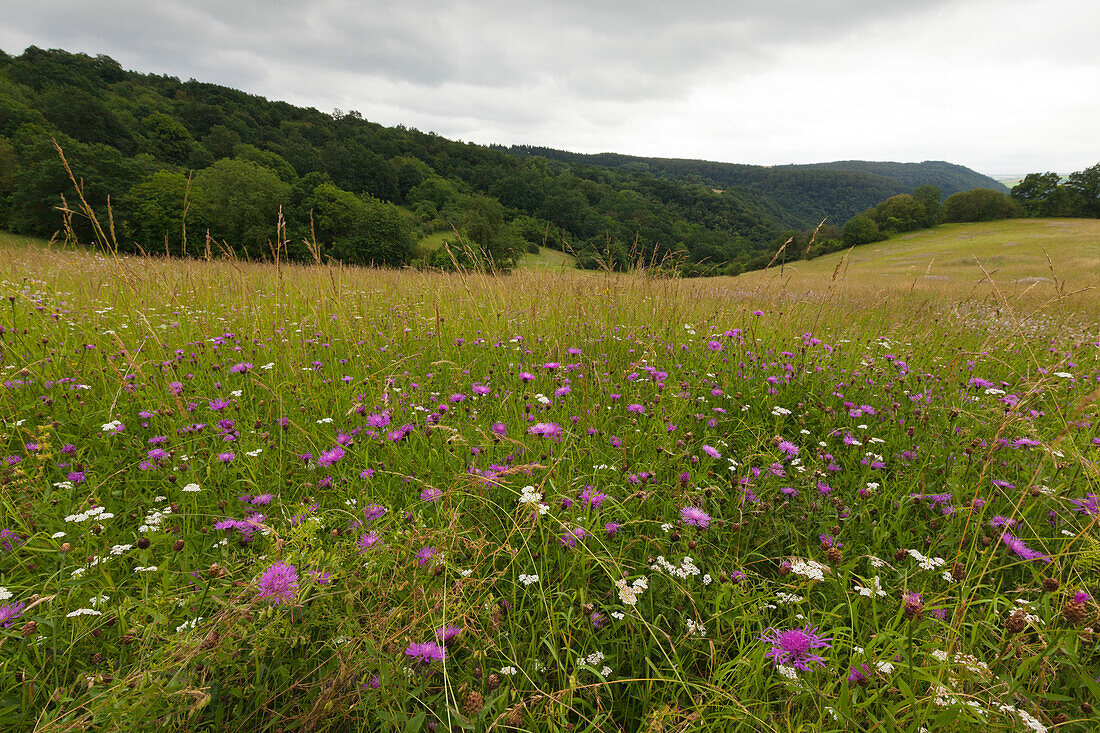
point(1002, 86)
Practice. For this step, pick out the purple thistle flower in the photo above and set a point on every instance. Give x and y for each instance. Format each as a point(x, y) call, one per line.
point(572, 536)
point(712, 452)
point(1081, 597)
point(499, 428)
point(546, 430)
point(447, 633)
point(593, 497)
point(789, 448)
point(10, 612)
point(279, 582)
point(425, 554)
point(636, 408)
point(369, 541)
point(695, 517)
point(331, 456)
point(426, 653)
point(1021, 549)
point(714, 345)
point(612, 528)
point(431, 494)
point(226, 457)
point(373, 512)
point(8, 539)
point(219, 404)
point(859, 675)
point(794, 647)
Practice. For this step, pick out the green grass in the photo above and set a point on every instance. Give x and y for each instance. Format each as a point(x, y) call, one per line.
point(547, 259)
point(888, 431)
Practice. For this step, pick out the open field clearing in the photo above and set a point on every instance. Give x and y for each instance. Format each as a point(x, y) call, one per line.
point(246, 497)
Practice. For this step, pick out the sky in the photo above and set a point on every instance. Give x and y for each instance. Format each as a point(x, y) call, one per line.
point(1001, 86)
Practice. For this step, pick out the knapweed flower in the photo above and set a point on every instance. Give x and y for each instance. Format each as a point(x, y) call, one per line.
point(369, 541)
point(426, 653)
point(9, 539)
point(794, 647)
point(860, 675)
point(546, 430)
point(331, 456)
point(448, 633)
point(425, 554)
point(279, 582)
point(695, 517)
point(572, 536)
point(1021, 549)
point(711, 451)
point(373, 512)
point(431, 494)
point(10, 612)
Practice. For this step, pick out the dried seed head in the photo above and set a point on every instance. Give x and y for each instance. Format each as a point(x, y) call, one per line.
point(1050, 584)
point(493, 682)
point(473, 703)
point(958, 572)
point(1016, 622)
point(1074, 613)
point(834, 555)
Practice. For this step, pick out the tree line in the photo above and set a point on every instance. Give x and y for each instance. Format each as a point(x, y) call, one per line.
point(1036, 195)
point(187, 167)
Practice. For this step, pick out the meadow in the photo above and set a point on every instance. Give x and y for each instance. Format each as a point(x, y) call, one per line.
point(827, 496)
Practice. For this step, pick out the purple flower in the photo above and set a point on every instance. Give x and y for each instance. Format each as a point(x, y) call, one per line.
point(279, 582)
point(572, 536)
point(636, 408)
point(1021, 549)
point(372, 512)
point(226, 457)
point(612, 528)
point(425, 554)
point(593, 497)
point(10, 612)
point(695, 517)
point(219, 404)
point(859, 675)
point(331, 456)
point(1081, 597)
point(499, 428)
point(712, 452)
point(426, 653)
point(8, 539)
point(789, 448)
point(431, 494)
point(546, 430)
point(794, 647)
point(369, 541)
point(447, 633)
point(714, 345)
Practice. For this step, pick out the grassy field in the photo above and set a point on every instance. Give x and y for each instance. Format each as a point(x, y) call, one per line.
point(241, 497)
point(546, 259)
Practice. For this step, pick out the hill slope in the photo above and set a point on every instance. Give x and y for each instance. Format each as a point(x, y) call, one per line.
point(806, 193)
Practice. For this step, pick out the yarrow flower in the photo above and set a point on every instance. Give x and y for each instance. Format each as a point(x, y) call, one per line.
point(794, 647)
point(279, 582)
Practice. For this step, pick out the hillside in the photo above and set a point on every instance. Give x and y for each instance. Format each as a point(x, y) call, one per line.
point(953, 261)
point(178, 156)
point(806, 193)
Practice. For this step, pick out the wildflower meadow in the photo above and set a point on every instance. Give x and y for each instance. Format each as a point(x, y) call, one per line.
point(266, 497)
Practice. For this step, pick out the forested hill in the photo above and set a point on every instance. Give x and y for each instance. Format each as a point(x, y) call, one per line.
point(190, 167)
point(807, 193)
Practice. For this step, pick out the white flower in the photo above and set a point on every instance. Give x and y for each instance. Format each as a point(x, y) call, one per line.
point(83, 612)
point(789, 672)
point(57, 535)
point(119, 549)
point(1063, 375)
point(324, 420)
point(108, 427)
point(870, 592)
point(666, 527)
point(5, 594)
point(269, 365)
point(780, 411)
point(787, 597)
point(150, 569)
point(528, 579)
point(618, 615)
point(187, 625)
point(605, 671)
point(707, 580)
point(509, 670)
point(236, 393)
point(809, 569)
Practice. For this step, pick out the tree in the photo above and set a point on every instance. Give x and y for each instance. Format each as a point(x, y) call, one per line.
point(359, 230)
point(901, 213)
point(238, 201)
point(860, 229)
point(154, 215)
point(980, 204)
point(1035, 192)
point(1086, 184)
point(167, 139)
point(931, 199)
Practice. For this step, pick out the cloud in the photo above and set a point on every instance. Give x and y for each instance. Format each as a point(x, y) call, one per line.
point(778, 81)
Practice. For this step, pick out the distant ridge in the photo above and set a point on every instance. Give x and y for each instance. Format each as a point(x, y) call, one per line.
point(806, 192)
